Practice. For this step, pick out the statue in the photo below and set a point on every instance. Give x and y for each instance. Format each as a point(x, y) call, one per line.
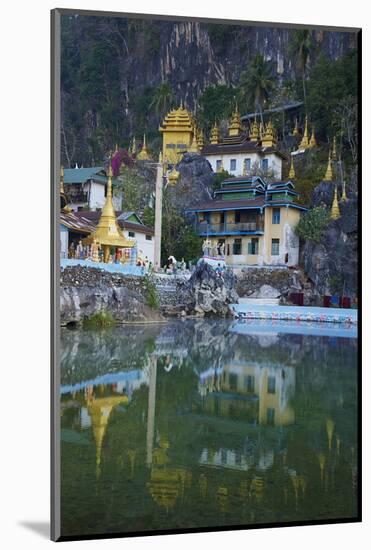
point(206, 247)
point(79, 251)
point(95, 247)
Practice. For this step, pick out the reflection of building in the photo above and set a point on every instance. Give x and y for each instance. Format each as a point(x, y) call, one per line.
point(254, 393)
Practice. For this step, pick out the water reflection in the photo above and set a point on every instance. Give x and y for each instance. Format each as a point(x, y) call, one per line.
point(195, 424)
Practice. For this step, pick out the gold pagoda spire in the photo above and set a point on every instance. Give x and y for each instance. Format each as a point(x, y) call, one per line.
point(173, 176)
point(62, 194)
point(328, 175)
point(107, 232)
point(61, 181)
point(235, 126)
point(254, 134)
point(312, 141)
point(200, 139)
point(295, 131)
point(335, 212)
point(292, 169)
point(344, 197)
point(215, 134)
point(268, 138)
point(304, 144)
point(144, 155)
point(193, 147)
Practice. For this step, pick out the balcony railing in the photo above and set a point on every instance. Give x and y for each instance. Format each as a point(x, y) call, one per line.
point(241, 227)
point(77, 196)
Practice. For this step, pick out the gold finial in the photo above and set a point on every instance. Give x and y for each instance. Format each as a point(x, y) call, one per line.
point(312, 141)
point(292, 169)
point(194, 147)
point(254, 134)
point(335, 212)
point(181, 103)
point(344, 197)
point(235, 126)
point(268, 138)
point(200, 139)
point(160, 158)
point(215, 134)
point(304, 144)
point(173, 176)
point(328, 175)
point(143, 154)
point(295, 131)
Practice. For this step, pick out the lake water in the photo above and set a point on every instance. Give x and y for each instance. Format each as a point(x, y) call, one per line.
point(196, 424)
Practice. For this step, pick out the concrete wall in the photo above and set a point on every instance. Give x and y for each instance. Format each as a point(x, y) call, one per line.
point(97, 198)
point(144, 246)
point(274, 162)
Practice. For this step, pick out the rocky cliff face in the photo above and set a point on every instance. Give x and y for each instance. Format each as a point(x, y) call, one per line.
point(110, 64)
point(332, 263)
point(195, 182)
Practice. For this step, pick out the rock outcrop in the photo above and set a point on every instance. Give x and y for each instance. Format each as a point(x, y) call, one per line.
point(332, 263)
point(208, 293)
point(87, 291)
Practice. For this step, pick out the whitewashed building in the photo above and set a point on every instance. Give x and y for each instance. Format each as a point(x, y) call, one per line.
point(85, 188)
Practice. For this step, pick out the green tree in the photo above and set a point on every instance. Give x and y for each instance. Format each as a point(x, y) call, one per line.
point(300, 48)
point(215, 104)
point(256, 84)
point(312, 224)
point(163, 98)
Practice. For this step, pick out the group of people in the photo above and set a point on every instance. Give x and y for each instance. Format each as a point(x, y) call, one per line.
point(172, 266)
point(94, 252)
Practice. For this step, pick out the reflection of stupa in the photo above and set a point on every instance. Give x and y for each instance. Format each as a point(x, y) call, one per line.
point(99, 411)
point(167, 483)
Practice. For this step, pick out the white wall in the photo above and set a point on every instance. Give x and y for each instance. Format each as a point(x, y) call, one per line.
point(274, 162)
point(97, 198)
point(145, 247)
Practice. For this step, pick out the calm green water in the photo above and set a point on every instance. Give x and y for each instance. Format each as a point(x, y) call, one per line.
point(192, 424)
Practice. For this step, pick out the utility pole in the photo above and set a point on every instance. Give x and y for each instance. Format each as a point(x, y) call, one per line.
point(158, 213)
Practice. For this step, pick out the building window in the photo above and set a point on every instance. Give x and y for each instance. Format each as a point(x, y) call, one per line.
point(253, 247)
point(270, 417)
point(148, 237)
point(131, 234)
point(181, 146)
point(218, 164)
point(170, 146)
point(249, 383)
point(264, 165)
point(271, 384)
point(275, 247)
point(233, 164)
point(237, 245)
point(276, 216)
point(247, 165)
point(232, 381)
point(237, 217)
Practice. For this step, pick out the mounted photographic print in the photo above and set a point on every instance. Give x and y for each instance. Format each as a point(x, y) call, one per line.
point(205, 294)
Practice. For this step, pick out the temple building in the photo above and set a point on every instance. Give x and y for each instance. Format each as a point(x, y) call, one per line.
point(240, 152)
point(245, 153)
point(86, 187)
point(251, 222)
point(178, 130)
point(132, 228)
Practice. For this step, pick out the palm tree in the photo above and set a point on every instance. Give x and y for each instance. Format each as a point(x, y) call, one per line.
point(300, 48)
point(257, 83)
point(162, 99)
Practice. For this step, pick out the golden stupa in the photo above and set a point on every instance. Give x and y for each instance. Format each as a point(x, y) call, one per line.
point(215, 135)
point(108, 233)
point(143, 154)
point(254, 134)
point(304, 144)
point(268, 138)
point(335, 212)
point(312, 141)
point(62, 193)
point(235, 127)
point(295, 131)
point(328, 175)
point(292, 169)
